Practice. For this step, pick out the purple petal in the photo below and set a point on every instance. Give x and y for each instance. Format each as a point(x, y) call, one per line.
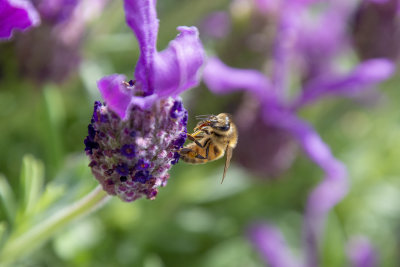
point(141, 16)
point(271, 245)
point(176, 68)
point(364, 76)
point(321, 38)
point(361, 253)
point(321, 200)
point(16, 14)
point(283, 45)
point(114, 93)
point(329, 192)
point(222, 79)
point(118, 98)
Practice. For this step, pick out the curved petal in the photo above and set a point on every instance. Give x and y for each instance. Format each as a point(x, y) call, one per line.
point(322, 37)
point(283, 45)
point(365, 75)
point(328, 193)
point(141, 16)
point(119, 98)
point(114, 93)
point(222, 79)
point(271, 244)
point(322, 199)
point(176, 68)
point(334, 188)
point(361, 253)
point(145, 102)
point(16, 14)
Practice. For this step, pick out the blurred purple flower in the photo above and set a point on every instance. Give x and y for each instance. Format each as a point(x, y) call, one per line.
point(278, 112)
point(320, 38)
point(361, 253)
point(216, 25)
point(52, 52)
point(274, 149)
point(271, 245)
point(16, 15)
point(135, 136)
point(376, 29)
point(56, 11)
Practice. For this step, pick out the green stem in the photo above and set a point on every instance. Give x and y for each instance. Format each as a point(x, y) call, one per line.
point(25, 243)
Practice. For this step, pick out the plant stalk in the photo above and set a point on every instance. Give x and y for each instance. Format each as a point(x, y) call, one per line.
point(25, 243)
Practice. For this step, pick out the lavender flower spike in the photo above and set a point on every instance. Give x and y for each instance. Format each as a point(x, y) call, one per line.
point(361, 253)
point(16, 14)
point(277, 112)
point(134, 137)
point(271, 245)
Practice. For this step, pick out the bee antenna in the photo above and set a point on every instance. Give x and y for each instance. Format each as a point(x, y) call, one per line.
point(200, 117)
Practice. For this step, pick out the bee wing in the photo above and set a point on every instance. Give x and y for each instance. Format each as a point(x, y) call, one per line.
point(228, 155)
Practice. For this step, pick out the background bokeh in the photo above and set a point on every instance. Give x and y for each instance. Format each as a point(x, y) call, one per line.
point(195, 221)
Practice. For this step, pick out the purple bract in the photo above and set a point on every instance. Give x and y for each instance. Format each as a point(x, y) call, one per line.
point(294, 42)
point(16, 15)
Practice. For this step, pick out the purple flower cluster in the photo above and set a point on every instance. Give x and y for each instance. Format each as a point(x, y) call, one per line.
point(16, 15)
point(271, 245)
point(135, 136)
point(53, 51)
point(131, 158)
point(376, 29)
point(302, 45)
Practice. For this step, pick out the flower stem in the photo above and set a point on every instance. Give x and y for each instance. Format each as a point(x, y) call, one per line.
point(21, 245)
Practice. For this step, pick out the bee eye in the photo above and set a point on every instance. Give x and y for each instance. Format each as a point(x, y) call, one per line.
point(226, 127)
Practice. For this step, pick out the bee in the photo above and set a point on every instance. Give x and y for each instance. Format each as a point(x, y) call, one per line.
point(213, 137)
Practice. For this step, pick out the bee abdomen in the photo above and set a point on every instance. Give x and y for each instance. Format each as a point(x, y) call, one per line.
point(188, 154)
point(192, 160)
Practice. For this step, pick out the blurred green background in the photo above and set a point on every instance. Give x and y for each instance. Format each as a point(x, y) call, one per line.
point(195, 221)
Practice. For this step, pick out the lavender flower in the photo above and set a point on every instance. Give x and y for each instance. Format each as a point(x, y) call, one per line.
point(16, 15)
point(134, 137)
point(274, 149)
point(271, 245)
point(52, 52)
point(278, 111)
point(320, 38)
point(376, 29)
point(361, 253)
point(56, 11)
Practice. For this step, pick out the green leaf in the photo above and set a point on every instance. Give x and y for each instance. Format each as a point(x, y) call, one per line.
point(7, 200)
point(32, 178)
point(54, 118)
point(3, 232)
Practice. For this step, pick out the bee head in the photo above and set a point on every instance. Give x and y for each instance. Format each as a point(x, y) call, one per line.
point(221, 122)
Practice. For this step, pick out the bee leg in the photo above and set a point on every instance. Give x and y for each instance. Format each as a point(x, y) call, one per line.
point(199, 156)
point(191, 153)
point(192, 138)
point(185, 151)
point(207, 149)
